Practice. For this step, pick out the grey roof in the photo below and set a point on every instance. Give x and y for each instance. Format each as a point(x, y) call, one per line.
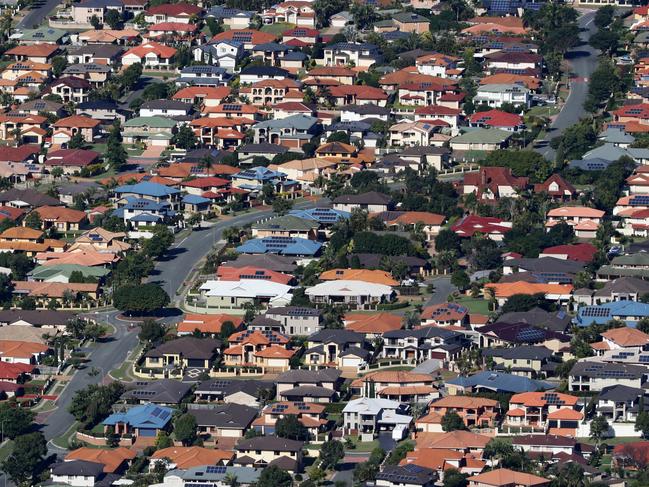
point(609, 370)
point(423, 333)
point(303, 376)
point(96, 50)
point(270, 443)
point(619, 393)
point(286, 222)
point(422, 150)
point(351, 46)
point(546, 264)
point(165, 391)
point(226, 387)
point(558, 321)
point(409, 17)
point(205, 473)
point(592, 164)
point(500, 382)
point(409, 474)
point(624, 285)
point(87, 68)
point(294, 311)
point(616, 136)
point(519, 352)
point(308, 391)
point(36, 317)
point(273, 262)
point(232, 416)
point(263, 71)
point(336, 336)
point(203, 70)
point(263, 148)
point(78, 468)
point(29, 196)
point(221, 12)
point(271, 47)
point(297, 122)
point(608, 152)
point(188, 347)
point(40, 105)
point(369, 198)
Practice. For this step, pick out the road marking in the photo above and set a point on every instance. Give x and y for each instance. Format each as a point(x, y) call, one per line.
point(181, 242)
point(589, 22)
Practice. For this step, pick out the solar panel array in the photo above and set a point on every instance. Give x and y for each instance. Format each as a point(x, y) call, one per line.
point(531, 335)
point(553, 398)
point(639, 200)
point(643, 359)
point(242, 36)
point(595, 312)
point(216, 469)
point(160, 413)
point(231, 107)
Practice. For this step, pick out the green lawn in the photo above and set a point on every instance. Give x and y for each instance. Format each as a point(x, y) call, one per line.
point(277, 28)
point(365, 446)
point(63, 441)
point(6, 449)
point(547, 111)
point(475, 305)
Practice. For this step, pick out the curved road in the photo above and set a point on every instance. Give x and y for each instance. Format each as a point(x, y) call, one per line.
point(583, 60)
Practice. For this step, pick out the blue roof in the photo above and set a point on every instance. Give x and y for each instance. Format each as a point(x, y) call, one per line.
point(143, 204)
point(280, 245)
point(147, 188)
point(499, 382)
point(192, 199)
point(145, 217)
point(627, 311)
point(321, 215)
point(144, 416)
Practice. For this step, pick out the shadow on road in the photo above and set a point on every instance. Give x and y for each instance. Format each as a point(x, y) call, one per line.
point(172, 254)
point(577, 54)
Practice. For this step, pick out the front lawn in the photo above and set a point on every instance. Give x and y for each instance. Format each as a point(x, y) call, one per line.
point(475, 305)
point(277, 28)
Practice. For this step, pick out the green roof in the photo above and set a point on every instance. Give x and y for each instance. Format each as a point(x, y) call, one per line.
point(484, 136)
point(42, 34)
point(286, 222)
point(43, 273)
point(641, 258)
point(611, 271)
point(156, 122)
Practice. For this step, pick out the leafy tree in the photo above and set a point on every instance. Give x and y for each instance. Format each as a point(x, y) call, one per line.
point(497, 449)
point(525, 302)
point(575, 141)
point(274, 477)
point(185, 429)
point(598, 428)
point(95, 22)
point(365, 181)
point(399, 453)
point(158, 245)
point(16, 421)
point(112, 18)
point(93, 403)
point(368, 242)
point(339, 137)
point(447, 239)
point(26, 459)
point(603, 83)
point(151, 331)
point(316, 474)
point(116, 155)
point(604, 16)
point(133, 267)
point(642, 419)
point(130, 76)
point(606, 41)
point(290, 427)
point(525, 163)
point(331, 452)
point(59, 63)
point(452, 421)
point(282, 206)
point(364, 15)
point(185, 138)
point(140, 299)
point(460, 279)
point(454, 478)
point(33, 220)
point(213, 26)
point(77, 141)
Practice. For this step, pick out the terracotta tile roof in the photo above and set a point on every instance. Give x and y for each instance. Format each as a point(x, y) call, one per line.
point(173, 26)
point(185, 457)
point(376, 323)
point(275, 351)
point(394, 377)
point(76, 121)
point(457, 440)
point(626, 337)
point(405, 390)
point(35, 50)
point(360, 92)
point(472, 224)
point(225, 273)
point(9, 371)
point(205, 92)
point(497, 118)
point(22, 233)
point(576, 211)
point(564, 186)
point(540, 399)
point(10, 212)
point(206, 183)
point(175, 9)
point(53, 289)
point(60, 214)
point(464, 402)
point(530, 82)
point(505, 477)
point(85, 258)
point(19, 349)
point(435, 459)
point(207, 323)
point(18, 154)
point(365, 275)
point(508, 289)
point(257, 337)
point(112, 459)
point(256, 36)
point(566, 413)
point(444, 312)
point(164, 52)
point(582, 252)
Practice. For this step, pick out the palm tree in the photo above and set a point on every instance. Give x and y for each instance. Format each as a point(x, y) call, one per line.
point(231, 480)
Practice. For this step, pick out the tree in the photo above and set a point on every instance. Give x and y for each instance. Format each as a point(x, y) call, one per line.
point(447, 239)
point(598, 428)
point(16, 421)
point(95, 22)
point(92, 404)
point(454, 478)
point(112, 18)
point(185, 138)
point(185, 428)
point(130, 76)
point(116, 155)
point(133, 267)
point(497, 449)
point(274, 477)
point(26, 459)
point(331, 452)
point(460, 279)
point(282, 206)
point(316, 474)
point(77, 141)
point(140, 299)
point(603, 83)
point(158, 245)
point(642, 419)
point(604, 16)
point(151, 331)
point(339, 137)
point(290, 427)
point(524, 163)
point(452, 421)
point(33, 220)
point(606, 41)
point(575, 141)
point(364, 15)
point(525, 302)
point(59, 63)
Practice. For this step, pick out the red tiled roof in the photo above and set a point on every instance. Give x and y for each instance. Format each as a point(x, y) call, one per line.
point(583, 252)
point(174, 9)
point(496, 118)
point(472, 224)
point(18, 154)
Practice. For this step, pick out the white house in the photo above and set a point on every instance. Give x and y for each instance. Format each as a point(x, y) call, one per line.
point(495, 95)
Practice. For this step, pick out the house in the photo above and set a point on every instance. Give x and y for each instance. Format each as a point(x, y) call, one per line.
point(493, 228)
point(422, 344)
point(107, 55)
point(285, 226)
point(588, 375)
point(19, 352)
point(60, 218)
point(365, 417)
point(476, 412)
point(584, 220)
point(230, 296)
point(100, 240)
point(492, 183)
point(481, 140)
point(180, 354)
point(71, 89)
point(228, 420)
point(296, 13)
point(246, 476)
point(151, 55)
point(146, 420)
point(248, 37)
point(165, 108)
point(525, 360)
point(319, 385)
point(540, 412)
point(628, 311)
point(494, 382)
point(252, 348)
point(295, 320)
point(165, 392)
point(114, 460)
point(178, 12)
point(225, 273)
point(355, 294)
point(365, 275)
point(415, 134)
point(270, 450)
point(310, 415)
point(340, 348)
point(186, 457)
point(582, 252)
point(222, 55)
point(409, 475)
point(372, 202)
point(155, 192)
point(234, 18)
point(502, 291)
point(37, 53)
point(360, 55)
point(71, 160)
point(620, 289)
point(619, 403)
point(66, 128)
point(77, 473)
point(299, 247)
point(497, 95)
point(503, 477)
point(242, 392)
point(291, 132)
point(402, 386)
point(372, 325)
point(445, 314)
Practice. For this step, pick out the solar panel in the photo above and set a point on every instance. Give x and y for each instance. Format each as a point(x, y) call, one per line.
point(216, 469)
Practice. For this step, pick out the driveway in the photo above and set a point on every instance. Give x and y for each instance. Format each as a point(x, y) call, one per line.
point(583, 61)
point(443, 288)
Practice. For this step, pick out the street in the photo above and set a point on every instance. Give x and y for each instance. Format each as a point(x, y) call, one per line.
point(583, 60)
point(35, 16)
point(443, 288)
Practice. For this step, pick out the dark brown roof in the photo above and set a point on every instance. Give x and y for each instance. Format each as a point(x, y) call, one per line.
point(188, 347)
point(270, 443)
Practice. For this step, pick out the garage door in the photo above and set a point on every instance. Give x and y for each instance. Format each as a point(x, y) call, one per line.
point(147, 432)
